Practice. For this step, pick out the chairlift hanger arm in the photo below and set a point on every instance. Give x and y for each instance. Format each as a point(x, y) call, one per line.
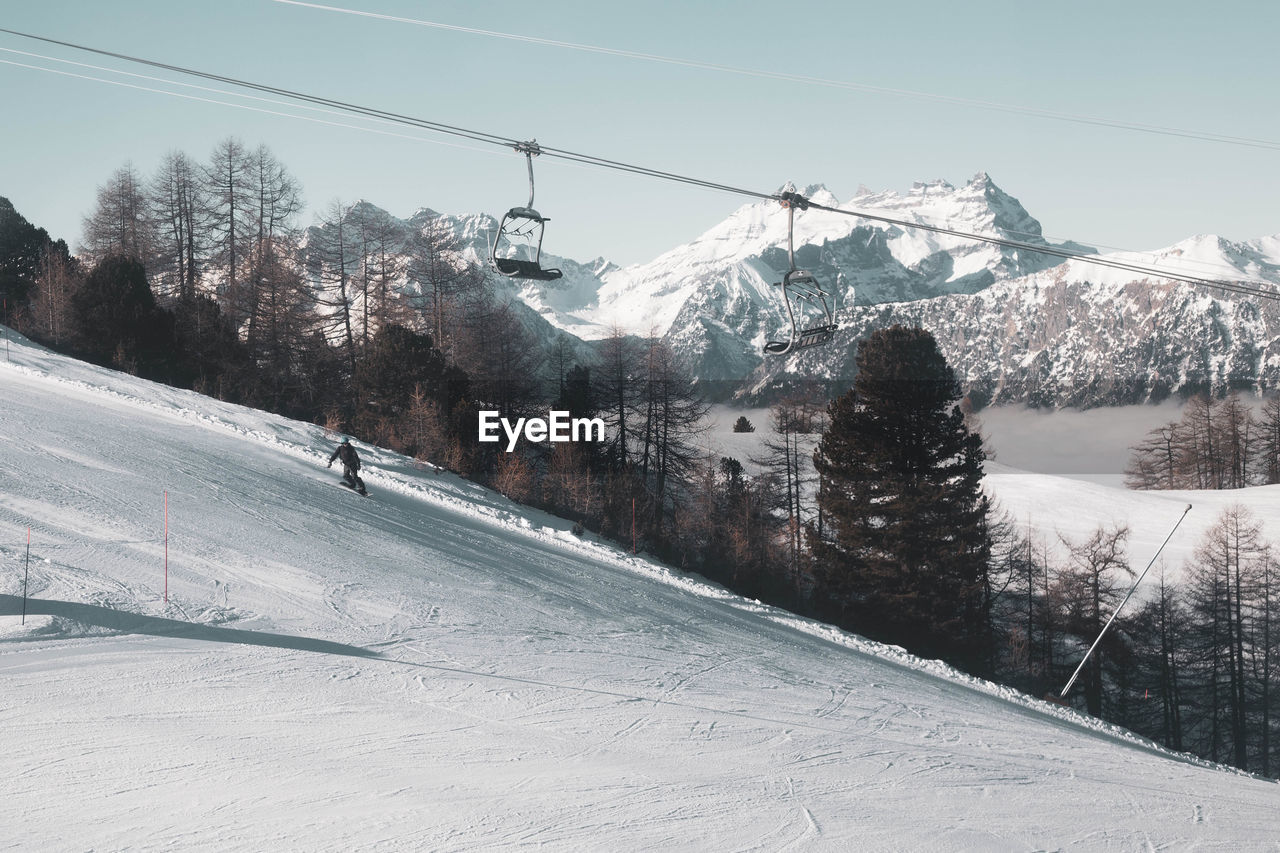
point(793, 199)
point(529, 149)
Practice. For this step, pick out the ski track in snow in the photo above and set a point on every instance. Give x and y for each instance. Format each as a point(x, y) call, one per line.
point(438, 668)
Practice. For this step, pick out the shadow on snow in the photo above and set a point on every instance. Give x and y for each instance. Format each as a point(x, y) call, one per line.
point(125, 622)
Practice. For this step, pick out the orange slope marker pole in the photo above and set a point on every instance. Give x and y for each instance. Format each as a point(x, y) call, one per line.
point(26, 574)
point(166, 547)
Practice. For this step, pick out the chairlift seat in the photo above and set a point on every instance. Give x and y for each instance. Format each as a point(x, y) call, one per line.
point(529, 232)
point(526, 213)
point(804, 339)
point(517, 268)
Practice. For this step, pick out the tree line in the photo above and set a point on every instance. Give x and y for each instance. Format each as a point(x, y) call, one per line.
point(1216, 444)
point(1191, 663)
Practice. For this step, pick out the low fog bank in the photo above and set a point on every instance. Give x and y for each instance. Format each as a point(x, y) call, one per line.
point(1093, 444)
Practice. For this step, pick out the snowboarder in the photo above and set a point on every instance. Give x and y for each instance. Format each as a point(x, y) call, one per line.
point(350, 466)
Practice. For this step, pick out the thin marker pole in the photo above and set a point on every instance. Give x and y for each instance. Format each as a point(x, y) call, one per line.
point(633, 525)
point(1076, 675)
point(166, 547)
point(26, 575)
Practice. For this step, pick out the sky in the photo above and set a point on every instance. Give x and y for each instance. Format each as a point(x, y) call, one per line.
point(1168, 64)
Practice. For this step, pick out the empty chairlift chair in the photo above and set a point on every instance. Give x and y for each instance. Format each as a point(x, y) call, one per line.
point(800, 286)
point(520, 234)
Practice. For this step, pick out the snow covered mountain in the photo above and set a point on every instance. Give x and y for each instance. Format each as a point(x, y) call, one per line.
point(1017, 326)
point(438, 668)
point(1082, 335)
point(715, 298)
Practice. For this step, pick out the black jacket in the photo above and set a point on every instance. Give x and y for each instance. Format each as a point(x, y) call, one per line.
point(347, 454)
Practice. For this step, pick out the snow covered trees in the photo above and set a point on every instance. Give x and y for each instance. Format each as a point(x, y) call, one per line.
point(903, 553)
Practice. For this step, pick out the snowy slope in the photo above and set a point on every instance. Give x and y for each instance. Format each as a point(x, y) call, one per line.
point(1058, 507)
point(437, 668)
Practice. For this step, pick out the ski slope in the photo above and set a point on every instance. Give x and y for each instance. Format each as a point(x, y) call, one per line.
point(438, 668)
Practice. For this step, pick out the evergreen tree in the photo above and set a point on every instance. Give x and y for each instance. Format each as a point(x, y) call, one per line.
point(1223, 583)
point(212, 360)
point(397, 363)
point(576, 395)
point(115, 318)
point(22, 247)
point(903, 554)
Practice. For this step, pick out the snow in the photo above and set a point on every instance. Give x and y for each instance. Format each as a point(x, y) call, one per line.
point(438, 668)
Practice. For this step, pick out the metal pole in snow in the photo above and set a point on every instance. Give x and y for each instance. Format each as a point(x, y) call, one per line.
point(633, 525)
point(166, 547)
point(25, 576)
point(1063, 694)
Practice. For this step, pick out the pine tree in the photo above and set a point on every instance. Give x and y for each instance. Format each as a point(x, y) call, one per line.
point(23, 247)
point(397, 363)
point(115, 319)
point(903, 555)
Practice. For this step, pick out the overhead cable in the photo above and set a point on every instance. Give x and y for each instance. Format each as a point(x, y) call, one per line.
point(576, 157)
point(1039, 112)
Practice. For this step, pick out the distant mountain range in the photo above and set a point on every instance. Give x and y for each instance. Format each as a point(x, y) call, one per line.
point(1018, 326)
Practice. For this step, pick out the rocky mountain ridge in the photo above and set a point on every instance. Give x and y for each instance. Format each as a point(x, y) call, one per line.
point(1018, 325)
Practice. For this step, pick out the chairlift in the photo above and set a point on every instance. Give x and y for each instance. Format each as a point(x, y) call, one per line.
point(801, 286)
point(521, 232)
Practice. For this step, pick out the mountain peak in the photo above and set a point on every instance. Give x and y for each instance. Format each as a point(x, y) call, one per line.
point(926, 187)
point(813, 192)
point(982, 179)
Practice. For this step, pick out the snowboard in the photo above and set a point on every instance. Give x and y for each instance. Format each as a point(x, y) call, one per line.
point(347, 485)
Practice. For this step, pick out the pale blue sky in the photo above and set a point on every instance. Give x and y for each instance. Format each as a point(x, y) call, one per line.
point(1194, 66)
